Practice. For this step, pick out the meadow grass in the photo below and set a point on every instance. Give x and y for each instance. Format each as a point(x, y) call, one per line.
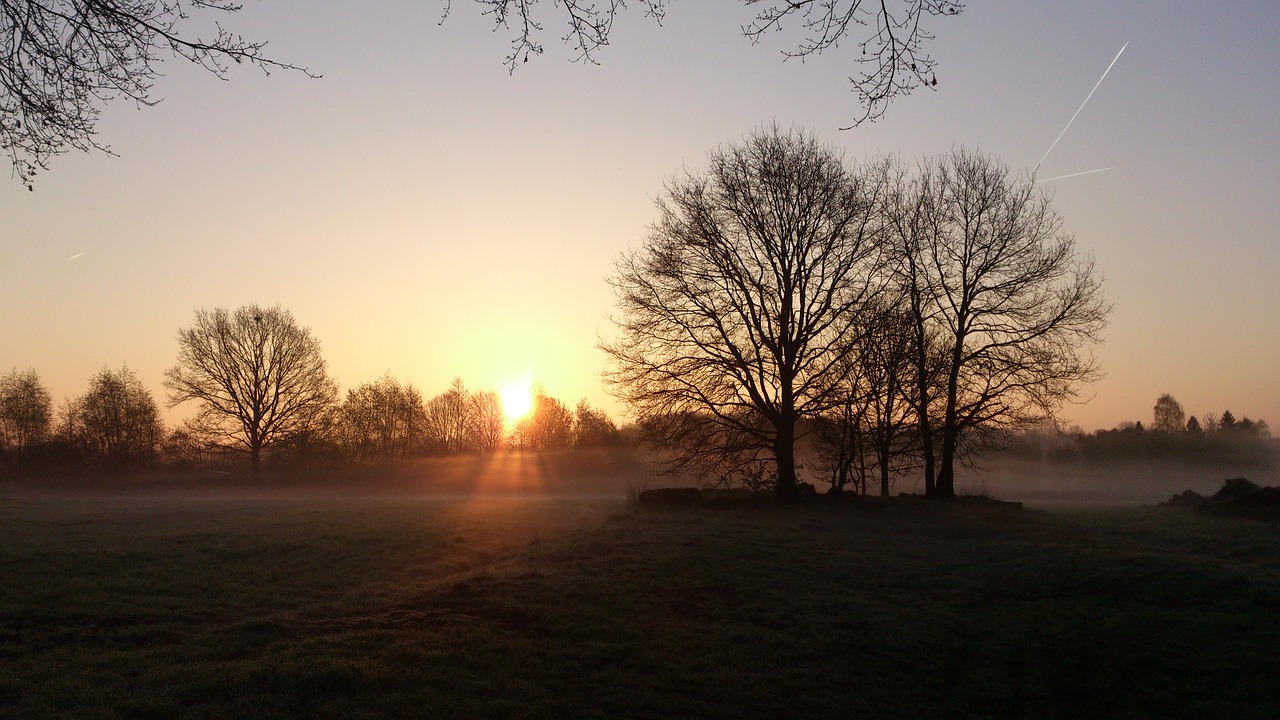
point(548, 608)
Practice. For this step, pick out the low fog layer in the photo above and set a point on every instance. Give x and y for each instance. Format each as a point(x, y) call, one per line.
point(1130, 482)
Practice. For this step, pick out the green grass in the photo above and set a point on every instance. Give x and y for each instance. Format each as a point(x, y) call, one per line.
point(580, 608)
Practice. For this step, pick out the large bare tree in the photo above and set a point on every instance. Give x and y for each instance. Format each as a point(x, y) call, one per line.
point(888, 34)
point(258, 377)
point(744, 301)
point(1001, 297)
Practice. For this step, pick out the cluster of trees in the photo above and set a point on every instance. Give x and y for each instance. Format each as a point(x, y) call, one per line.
point(1171, 436)
point(791, 309)
point(1171, 418)
point(115, 423)
point(261, 388)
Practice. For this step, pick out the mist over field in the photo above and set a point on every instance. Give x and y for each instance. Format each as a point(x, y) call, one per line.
point(1049, 483)
point(619, 472)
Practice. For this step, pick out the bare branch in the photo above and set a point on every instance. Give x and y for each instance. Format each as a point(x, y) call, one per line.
point(62, 60)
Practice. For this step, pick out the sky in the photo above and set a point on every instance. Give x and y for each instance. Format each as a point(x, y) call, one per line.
point(427, 213)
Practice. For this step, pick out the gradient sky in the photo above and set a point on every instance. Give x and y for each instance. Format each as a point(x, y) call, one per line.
point(426, 213)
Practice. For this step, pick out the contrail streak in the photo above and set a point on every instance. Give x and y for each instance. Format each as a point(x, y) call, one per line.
point(1086, 102)
point(73, 257)
point(1085, 172)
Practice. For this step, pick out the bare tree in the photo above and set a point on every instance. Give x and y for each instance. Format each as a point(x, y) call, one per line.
point(258, 377)
point(548, 426)
point(742, 303)
point(871, 432)
point(381, 420)
point(26, 414)
point(62, 60)
point(1169, 415)
point(116, 422)
point(488, 421)
point(592, 426)
point(889, 34)
point(884, 352)
point(1005, 296)
point(449, 420)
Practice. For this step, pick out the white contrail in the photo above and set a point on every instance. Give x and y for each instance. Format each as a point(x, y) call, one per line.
point(1086, 102)
point(1071, 175)
point(73, 257)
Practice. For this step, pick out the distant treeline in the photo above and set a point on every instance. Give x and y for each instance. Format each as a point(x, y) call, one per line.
point(116, 426)
point(1172, 436)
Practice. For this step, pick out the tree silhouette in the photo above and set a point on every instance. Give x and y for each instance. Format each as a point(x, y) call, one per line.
point(488, 421)
point(26, 413)
point(736, 312)
point(1169, 415)
point(548, 426)
point(62, 60)
point(875, 422)
point(258, 377)
point(449, 419)
point(890, 35)
point(591, 427)
point(381, 420)
point(116, 422)
point(1003, 296)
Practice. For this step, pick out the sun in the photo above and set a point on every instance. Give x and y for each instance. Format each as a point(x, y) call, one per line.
point(517, 400)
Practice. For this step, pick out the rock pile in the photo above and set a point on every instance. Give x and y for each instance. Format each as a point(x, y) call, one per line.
point(1238, 498)
point(671, 496)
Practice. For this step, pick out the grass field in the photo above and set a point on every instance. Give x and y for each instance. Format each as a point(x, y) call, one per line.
point(536, 607)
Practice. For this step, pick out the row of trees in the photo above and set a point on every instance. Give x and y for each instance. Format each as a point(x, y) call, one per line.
point(1170, 417)
point(115, 423)
point(1234, 446)
point(260, 385)
point(788, 302)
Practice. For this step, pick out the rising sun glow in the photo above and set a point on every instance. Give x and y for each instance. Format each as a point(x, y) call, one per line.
point(517, 400)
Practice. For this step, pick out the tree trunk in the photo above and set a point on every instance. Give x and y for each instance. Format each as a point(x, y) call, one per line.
point(926, 446)
point(884, 477)
point(255, 456)
point(946, 485)
point(784, 451)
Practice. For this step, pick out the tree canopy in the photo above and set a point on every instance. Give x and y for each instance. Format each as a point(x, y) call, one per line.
point(736, 312)
point(906, 313)
point(257, 376)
